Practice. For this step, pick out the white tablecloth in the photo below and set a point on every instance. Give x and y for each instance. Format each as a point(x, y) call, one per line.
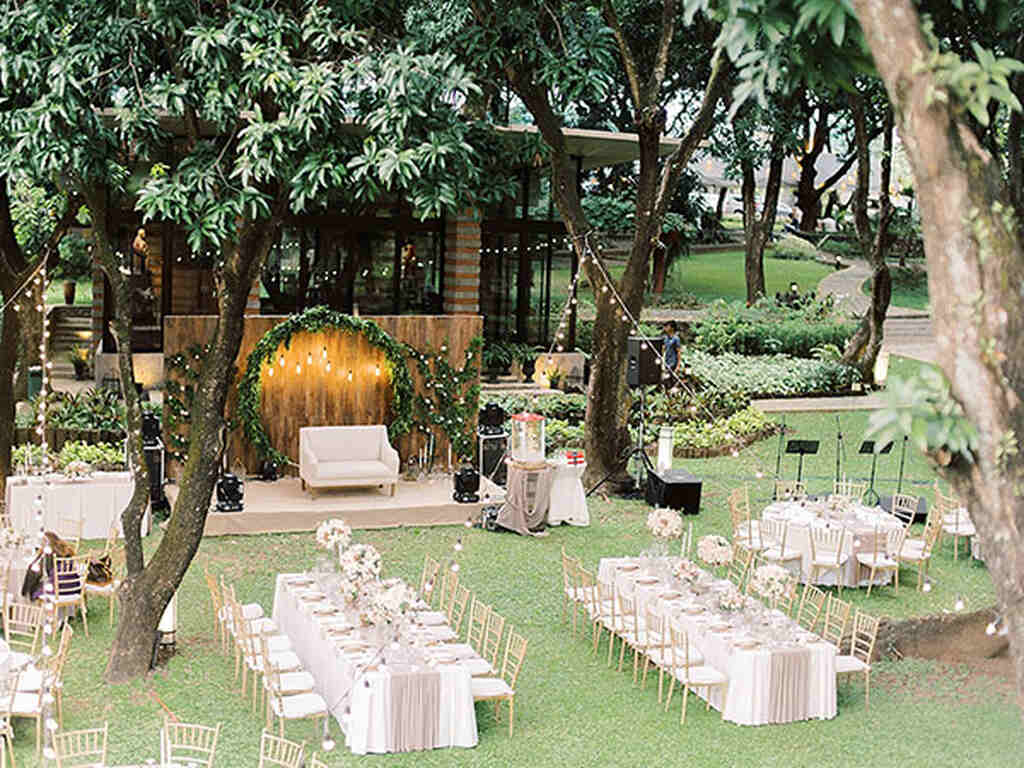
point(366, 726)
point(860, 532)
point(99, 499)
point(18, 559)
point(568, 502)
point(5, 661)
point(752, 697)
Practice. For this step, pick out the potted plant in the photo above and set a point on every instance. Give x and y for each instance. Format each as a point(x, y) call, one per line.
point(75, 264)
point(497, 356)
point(525, 358)
point(79, 357)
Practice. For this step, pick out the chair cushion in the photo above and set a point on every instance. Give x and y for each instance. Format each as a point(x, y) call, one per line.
point(461, 650)
point(491, 688)
point(30, 679)
point(701, 676)
point(25, 703)
point(249, 611)
point(431, 618)
point(294, 682)
point(299, 706)
point(355, 469)
point(883, 561)
point(278, 643)
point(263, 626)
point(478, 667)
point(774, 553)
point(846, 664)
point(285, 661)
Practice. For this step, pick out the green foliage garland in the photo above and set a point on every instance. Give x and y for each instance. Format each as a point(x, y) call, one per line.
point(178, 397)
point(312, 321)
point(454, 394)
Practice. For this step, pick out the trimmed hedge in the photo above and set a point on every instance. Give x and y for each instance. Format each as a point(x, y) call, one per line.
point(769, 375)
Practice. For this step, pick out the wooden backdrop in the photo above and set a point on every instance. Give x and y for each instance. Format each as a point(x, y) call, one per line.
point(316, 396)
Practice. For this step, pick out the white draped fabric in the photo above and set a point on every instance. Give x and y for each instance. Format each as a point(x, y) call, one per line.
point(568, 502)
point(860, 523)
point(359, 700)
point(778, 682)
point(99, 500)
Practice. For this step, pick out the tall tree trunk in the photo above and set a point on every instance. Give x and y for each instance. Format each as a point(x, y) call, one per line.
point(720, 206)
point(753, 238)
point(659, 268)
point(864, 346)
point(975, 270)
point(808, 195)
point(8, 360)
point(147, 590)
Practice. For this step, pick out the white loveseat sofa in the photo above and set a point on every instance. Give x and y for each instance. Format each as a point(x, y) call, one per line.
point(333, 457)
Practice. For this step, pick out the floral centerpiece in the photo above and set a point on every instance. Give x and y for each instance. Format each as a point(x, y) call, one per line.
point(10, 538)
point(77, 470)
point(334, 535)
point(665, 524)
point(387, 602)
point(714, 550)
point(731, 600)
point(359, 565)
point(686, 570)
point(771, 582)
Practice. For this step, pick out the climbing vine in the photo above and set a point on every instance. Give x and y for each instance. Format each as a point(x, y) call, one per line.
point(453, 394)
point(178, 398)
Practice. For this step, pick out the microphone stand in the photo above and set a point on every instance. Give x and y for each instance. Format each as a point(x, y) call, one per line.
point(778, 457)
point(839, 445)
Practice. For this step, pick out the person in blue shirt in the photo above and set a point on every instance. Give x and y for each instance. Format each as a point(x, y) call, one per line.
point(670, 346)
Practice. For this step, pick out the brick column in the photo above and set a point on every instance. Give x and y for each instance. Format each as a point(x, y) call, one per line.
point(462, 263)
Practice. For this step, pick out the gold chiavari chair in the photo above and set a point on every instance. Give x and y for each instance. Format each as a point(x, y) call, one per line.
point(570, 587)
point(290, 697)
point(188, 743)
point(918, 552)
point(690, 674)
point(686, 542)
point(499, 689)
point(316, 762)
point(479, 613)
point(862, 648)
point(458, 612)
point(607, 596)
point(70, 527)
point(33, 677)
point(591, 605)
point(628, 627)
point(30, 705)
point(811, 603)
point(220, 632)
point(81, 749)
point(745, 530)
point(739, 566)
point(108, 591)
point(449, 586)
point(956, 522)
point(827, 553)
point(788, 601)
point(789, 490)
point(492, 641)
point(777, 549)
point(428, 579)
point(848, 489)
point(6, 730)
point(885, 547)
point(69, 574)
point(279, 751)
point(113, 533)
point(837, 614)
point(251, 648)
point(23, 630)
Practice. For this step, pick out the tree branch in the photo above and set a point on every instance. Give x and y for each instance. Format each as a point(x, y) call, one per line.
point(668, 23)
point(628, 60)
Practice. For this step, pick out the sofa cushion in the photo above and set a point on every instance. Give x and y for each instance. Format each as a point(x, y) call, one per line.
point(350, 470)
point(344, 443)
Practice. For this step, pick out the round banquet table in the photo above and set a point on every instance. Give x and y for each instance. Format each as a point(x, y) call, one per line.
point(860, 524)
point(568, 501)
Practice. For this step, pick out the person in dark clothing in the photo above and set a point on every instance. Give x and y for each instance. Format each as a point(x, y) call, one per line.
point(35, 582)
point(670, 347)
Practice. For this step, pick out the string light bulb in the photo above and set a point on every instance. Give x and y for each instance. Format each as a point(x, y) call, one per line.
point(309, 358)
point(376, 371)
point(298, 368)
point(350, 374)
point(270, 371)
point(323, 353)
point(328, 366)
point(280, 361)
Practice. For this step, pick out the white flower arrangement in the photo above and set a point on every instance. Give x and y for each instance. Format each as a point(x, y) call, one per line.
point(390, 601)
point(686, 570)
point(76, 470)
point(731, 600)
point(10, 538)
point(333, 534)
point(665, 524)
point(714, 550)
point(359, 564)
point(771, 582)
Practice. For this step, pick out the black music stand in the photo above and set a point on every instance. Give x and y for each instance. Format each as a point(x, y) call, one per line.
point(868, 446)
point(803, 448)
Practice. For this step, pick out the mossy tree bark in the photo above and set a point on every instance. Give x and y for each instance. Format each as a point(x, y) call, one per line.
point(973, 244)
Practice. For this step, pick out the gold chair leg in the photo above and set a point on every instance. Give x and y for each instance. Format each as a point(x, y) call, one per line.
point(686, 694)
point(511, 715)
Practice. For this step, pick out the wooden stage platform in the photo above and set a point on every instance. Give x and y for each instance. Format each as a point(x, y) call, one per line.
point(282, 507)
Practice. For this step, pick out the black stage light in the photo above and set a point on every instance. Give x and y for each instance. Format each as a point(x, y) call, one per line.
point(467, 486)
point(491, 420)
point(229, 493)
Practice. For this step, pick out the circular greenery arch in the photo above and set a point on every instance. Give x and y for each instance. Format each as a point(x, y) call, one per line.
point(311, 321)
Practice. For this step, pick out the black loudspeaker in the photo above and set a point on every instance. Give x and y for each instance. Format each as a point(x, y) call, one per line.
point(643, 366)
point(675, 489)
point(229, 493)
point(467, 486)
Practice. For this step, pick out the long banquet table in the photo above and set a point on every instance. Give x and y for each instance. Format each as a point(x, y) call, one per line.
point(361, 688)
point(777, 681)
point(862, 524)
point(98, 499)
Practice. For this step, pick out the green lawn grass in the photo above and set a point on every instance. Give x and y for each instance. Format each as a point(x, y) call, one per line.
point(912, 295)
point(707, 277)
point(571, 710)
point(83, 293)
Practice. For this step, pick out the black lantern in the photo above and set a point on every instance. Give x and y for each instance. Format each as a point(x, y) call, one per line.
point(467, 486)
